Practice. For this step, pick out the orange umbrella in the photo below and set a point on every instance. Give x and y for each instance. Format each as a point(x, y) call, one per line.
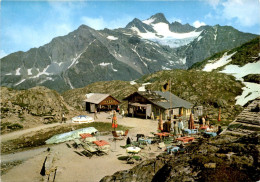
point(219, 114)
point(191, 122)
point(114, 120)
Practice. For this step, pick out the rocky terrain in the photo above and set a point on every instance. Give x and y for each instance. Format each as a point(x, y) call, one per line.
point(85, 55)
point(27, 108)
point(232, 156)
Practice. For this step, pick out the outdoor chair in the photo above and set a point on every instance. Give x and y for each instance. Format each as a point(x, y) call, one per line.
point(125, 134)
point(117, 137)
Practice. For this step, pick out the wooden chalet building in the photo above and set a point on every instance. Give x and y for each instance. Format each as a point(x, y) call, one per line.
point(143, 103)
point(100, 102)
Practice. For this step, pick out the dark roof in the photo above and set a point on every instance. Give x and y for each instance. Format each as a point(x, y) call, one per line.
point(162, 99)
point(176, 101)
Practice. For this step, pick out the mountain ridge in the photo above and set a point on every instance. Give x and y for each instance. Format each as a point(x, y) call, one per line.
point(86, 55)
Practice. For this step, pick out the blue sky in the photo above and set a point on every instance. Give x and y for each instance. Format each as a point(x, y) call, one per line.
point(28, 24)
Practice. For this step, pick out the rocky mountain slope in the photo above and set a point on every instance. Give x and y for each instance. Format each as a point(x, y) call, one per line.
point(27, 108)
point(86, 55)
point(243, 63)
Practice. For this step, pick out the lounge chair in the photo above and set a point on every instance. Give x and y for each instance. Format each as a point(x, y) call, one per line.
point(125, 134)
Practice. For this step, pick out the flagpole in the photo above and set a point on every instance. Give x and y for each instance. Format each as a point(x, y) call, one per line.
point(170, 102)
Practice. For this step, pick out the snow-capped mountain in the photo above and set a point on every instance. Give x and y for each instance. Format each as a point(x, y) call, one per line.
point(158, 29)
point(86, 55)
point(243, 63)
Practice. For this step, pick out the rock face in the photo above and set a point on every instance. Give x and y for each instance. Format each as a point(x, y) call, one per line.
point(223, 158)
point(232, 156)
point(32, 105)
point(248, 121)
point(86, 55)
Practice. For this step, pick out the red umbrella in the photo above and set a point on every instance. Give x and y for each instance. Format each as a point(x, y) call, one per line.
point(219, 114)
point(191, 122)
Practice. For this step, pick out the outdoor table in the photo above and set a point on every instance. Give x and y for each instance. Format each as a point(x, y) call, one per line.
point(133, 149)
point(100, 142)
point(149, 141)
point(185, 139)
point(163, 134)
point(120, 132)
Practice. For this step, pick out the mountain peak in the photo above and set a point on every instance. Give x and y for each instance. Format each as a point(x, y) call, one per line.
point(158, 18)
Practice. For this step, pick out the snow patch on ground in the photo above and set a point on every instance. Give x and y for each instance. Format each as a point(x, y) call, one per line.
point(225, 59)
point(107, 64)
point(139, 56)
point(240, 72)
point(19, 82)
point(251, 90)
point(8, 74)
point(17, 72)
point(183, 60)
point(142, 88)
point(29, 71)
point(199, 38)
point(133, 82)
point(44, 72)
point(104, 64)
point(110, 37)
point(165, 68)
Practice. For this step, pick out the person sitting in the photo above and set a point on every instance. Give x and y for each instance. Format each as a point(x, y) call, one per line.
point(219, 130)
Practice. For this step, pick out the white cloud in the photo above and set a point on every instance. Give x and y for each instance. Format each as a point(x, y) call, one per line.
point(198, 24)
point(246, 12)
point(213, 3)
point(2, 54)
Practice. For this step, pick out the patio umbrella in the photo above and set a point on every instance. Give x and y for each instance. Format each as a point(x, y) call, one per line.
point(114, 120)
point(191, 122)
point(219, 114)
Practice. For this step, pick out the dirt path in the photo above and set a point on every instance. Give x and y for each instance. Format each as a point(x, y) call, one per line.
point(17, 134)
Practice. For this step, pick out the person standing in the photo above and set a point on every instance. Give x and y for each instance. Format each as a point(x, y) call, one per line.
point(95, 114)
point(207, 120)
point(123, 113)
point(180, 126)
point(175, 127)
point(203, 121)
point(160, 123)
